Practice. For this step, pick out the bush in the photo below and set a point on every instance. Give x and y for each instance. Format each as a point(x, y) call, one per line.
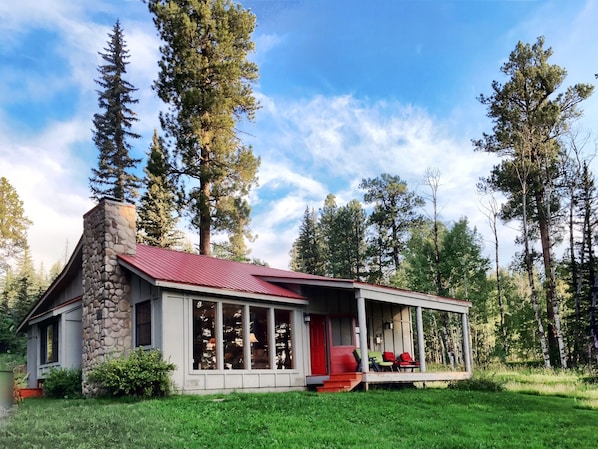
point(63, 383)
point(144, 374)
point(479, 382)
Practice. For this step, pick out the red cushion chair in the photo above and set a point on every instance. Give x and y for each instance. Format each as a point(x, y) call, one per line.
point(406, 361)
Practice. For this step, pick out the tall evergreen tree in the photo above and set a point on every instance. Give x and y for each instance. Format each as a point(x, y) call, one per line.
point(529, 116)
point(206, 80)
point(157, 208)
point(307, 252)
point(112, 127)
point(395, 213)
point(13, 224)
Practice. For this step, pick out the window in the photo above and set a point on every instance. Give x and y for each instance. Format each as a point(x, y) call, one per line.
point(143, 323)
point(245, 336)
point(49, 342)
point(232, 335)
point(204, 335)
point(283, 339)
point(258, 337)
point(341, 329)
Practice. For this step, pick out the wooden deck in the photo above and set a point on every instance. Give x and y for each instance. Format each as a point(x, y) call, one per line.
point(415, 376)
point(392, 377)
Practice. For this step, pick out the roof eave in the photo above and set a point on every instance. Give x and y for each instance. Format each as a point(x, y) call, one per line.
point(59, 279)
point(230, 293)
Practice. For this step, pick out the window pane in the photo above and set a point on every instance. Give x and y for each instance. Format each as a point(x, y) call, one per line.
point(258, 337)
point(143, 324)
point(283, 338)
point(204, 335)
point(232, 320)
point(342, 331)
point(49, 343)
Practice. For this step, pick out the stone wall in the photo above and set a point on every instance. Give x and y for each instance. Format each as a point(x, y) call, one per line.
point(108, 230)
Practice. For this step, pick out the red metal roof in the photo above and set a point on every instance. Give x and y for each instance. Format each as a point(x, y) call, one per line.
point(192, 269)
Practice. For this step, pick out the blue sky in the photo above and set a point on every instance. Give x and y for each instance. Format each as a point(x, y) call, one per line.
point(349, 89)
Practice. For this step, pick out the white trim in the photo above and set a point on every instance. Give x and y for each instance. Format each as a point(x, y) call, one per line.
point(55, 312)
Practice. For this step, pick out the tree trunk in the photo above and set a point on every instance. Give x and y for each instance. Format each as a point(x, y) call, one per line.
point(205, 219)
point(556, 342)
point(501, 306)
point(529, 265)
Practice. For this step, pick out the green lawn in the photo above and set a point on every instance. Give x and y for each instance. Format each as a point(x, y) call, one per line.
point(410, 418)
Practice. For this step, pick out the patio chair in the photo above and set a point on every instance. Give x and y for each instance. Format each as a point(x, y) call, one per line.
point(404, 361)
point(375, 360)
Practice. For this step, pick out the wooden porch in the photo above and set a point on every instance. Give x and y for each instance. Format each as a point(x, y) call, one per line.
point(350, 381)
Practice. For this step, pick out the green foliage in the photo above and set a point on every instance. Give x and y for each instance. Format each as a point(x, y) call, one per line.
point(157, 207)
point(112, 127)
point(64, 383)
point(10, 361)
point(395, 214)
point(306, 255)
point(206, 81)
point(13, 224)
point(19, 290)
point(479, 382)
point(144, 374)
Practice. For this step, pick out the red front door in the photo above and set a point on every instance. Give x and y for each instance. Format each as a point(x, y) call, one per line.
point(317, 339)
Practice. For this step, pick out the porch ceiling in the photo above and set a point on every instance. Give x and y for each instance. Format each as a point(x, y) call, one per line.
point(414, 299)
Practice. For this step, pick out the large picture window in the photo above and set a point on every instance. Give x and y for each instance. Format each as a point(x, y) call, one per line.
point(143, 323)
point(204, 335)
point(232, 334)
point(245, 336)
point(49, 343)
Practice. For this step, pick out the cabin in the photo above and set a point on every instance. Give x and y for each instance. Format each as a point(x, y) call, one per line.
point(227, 326)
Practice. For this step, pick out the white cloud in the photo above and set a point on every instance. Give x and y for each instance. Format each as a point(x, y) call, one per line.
point(335, 143)
point(47, 177)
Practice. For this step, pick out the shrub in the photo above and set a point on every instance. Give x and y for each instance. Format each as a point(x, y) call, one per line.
point(143, 374)
point(63, 383)
point(479, 382)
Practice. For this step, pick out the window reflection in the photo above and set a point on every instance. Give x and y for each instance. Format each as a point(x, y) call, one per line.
point(283, 339)
point(258, 337)
point(204, 335)
point(49, 343)
point(232, 320)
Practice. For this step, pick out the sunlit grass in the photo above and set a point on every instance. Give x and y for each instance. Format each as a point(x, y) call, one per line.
point(558, 409)
point(548, 382)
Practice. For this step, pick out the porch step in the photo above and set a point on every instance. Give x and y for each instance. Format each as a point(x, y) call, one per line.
point(340, 382)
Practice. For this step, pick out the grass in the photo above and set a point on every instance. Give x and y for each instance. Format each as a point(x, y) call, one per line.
point(408, 418)
point(543, 382)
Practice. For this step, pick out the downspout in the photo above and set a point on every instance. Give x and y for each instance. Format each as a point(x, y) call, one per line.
point(363, 334)
point(421, 347)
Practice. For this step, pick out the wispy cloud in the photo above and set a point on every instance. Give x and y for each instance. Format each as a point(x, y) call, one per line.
point(338, 141)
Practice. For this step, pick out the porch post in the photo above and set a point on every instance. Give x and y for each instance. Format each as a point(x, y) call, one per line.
point(466, 346)
point(363, 332)
point(421, 347)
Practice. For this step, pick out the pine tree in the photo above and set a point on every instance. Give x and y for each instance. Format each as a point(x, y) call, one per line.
point(112, 127)
point(206, 80)
point(395, 212)
point(157, 207)
point(13, 224)
point(530, 113)
point(307, 257)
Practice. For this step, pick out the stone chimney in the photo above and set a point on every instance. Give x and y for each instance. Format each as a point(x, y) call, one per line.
point(109, 229)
